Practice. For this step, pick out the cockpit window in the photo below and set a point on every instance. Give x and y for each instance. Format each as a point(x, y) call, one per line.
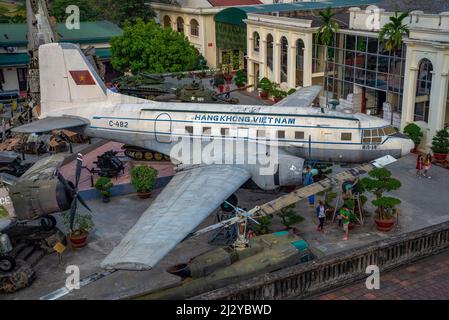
point(389, 130)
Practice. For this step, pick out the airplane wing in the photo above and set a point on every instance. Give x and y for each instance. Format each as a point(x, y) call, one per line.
point(186, 201)
point(51, 123)
point(45, 167)
point(301, 98)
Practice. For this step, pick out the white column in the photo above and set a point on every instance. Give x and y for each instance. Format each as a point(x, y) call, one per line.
point(291, 66)
point(308, 50)
point(277, 62)
point(263, 58)
point(409, 95)
point(251, 76)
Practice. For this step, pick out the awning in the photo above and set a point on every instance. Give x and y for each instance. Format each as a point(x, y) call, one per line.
point(14, 59)
point(103, 53)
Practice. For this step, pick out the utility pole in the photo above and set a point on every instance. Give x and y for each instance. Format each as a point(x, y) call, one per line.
point(41, 30)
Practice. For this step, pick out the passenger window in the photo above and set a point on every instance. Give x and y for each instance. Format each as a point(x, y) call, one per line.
point(366, 140)
point(207, 130)
point(281, 134)
point(299, 135)
point(224, 131)
point(346, 136)
point(367, 133)
point(261, 133)
point(189, 130)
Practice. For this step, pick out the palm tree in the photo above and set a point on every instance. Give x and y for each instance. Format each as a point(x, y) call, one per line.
point(392, 33)
point(325, 36)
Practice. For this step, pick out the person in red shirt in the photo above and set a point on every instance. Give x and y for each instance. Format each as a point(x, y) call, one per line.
point(419, 165)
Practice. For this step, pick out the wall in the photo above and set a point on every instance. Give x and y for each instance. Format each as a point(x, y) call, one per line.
point(11, 81)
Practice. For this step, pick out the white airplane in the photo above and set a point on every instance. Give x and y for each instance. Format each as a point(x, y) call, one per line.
point(73, 96)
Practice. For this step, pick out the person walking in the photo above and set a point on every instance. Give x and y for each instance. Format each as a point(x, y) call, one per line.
point(419, 166)
point(427, 163)
point(321, 215)
point(228, 92)
point(344, 214)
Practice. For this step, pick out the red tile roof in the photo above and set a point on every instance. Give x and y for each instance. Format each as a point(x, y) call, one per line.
point(227, 3)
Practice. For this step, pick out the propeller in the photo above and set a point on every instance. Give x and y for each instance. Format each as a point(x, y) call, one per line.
point(73, 190)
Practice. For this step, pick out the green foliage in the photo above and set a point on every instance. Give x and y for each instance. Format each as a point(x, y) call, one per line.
point(291, 91)
point(240, 78)
point(83, 222)
point(414, 132)
point(380, 181)
point(289, 216)
point(12, 12)
point(329, 196)
point(87, 10)
point(329, 27)
point(104, 185)
point(440, 143)
point(264, 225)
point(393, 32)
point(143, 178)
point(265, 84)
point(148, 47)
point(3, 212)
point(276, 92)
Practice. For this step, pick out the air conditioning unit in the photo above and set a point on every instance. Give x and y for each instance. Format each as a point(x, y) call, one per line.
point(12, 49)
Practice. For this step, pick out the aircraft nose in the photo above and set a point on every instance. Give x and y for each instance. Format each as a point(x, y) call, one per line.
point(407, 146)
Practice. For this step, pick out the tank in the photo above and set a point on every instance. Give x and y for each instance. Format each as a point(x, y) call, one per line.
point(142, 154)
point(227, 265)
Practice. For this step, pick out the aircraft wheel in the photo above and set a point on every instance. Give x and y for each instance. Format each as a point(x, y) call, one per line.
point(48, 223)
point(148, 155)
point(232, 200)
point(167, 158)
point(138, 155)
point(158, 156)
point(7, 263)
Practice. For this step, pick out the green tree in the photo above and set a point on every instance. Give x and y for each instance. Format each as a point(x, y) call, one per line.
point(148, 47)
point(392, 33)
point(88, 12)
point(120, 12)
point(325, 36)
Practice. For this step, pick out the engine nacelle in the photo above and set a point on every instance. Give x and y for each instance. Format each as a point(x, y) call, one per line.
point(287, 172)
point(33, 199)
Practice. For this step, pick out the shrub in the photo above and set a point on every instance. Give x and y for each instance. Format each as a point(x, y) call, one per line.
point(104, 185)
point(289, 216)
point(291, 91)
point(143, 178)
point(82, 223)
point(414, 132)
point(264, 225)
point(440, 143)
point(240, 78)
point(265, 84)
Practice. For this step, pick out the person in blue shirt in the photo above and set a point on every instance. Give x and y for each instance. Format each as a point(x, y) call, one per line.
point(307, 181)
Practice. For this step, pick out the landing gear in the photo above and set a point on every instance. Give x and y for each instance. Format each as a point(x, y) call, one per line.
point(7, 263)
point(48, 223)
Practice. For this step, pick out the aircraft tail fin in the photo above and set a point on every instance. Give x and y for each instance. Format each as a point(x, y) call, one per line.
point(67, 79)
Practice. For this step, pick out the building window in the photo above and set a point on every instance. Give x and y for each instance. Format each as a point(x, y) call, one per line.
point(2, 76)
point(194, 28)
point(261, 133)
point(167, 22)
point(281, 134)
point(189, 130)
point(180, 24)
point(299, 135)
point(256, 41)
point(224, 131)
point(346, 136)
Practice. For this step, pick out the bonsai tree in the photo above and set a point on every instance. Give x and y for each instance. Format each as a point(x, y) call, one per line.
point(143, 178)
point(414, 132)
point(82, 224)
point(440, 143)
point(240, 78)
point(104, 185)
point(289, 216)
point(265, 86)
point(264, 225)
point(329, 197)
point(378, 182)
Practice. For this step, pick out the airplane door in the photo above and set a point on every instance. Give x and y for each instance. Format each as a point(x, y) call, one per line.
point(163, 128)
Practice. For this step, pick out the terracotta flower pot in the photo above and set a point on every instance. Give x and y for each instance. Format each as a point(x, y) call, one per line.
point(78, 241)
point(264, 94)
point(440, 156)
point(144, 195)
point(384, 225)
point(221, 88)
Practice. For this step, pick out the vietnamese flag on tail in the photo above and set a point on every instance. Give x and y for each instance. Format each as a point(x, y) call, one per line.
point(82, 78)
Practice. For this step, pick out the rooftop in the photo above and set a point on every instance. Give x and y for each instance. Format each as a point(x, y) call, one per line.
point(15, 35)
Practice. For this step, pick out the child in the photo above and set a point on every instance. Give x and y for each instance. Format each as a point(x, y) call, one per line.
point(419, 165)
point(427, 163)
point(344, 213)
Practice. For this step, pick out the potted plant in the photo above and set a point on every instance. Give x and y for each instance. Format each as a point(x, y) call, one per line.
point(227, 74)
point(350, 204)
point(440, 145)
point(104, 185)
point(289, 217)
point(143, 179)
point(82, 224)
point(220, 83)
point(278, 95)
point(378, 182)
point(415, 134)
point(240, 79)
point(265, 86)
